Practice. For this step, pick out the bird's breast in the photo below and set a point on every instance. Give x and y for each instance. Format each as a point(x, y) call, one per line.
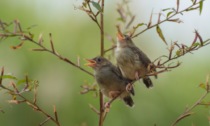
point(129, 63)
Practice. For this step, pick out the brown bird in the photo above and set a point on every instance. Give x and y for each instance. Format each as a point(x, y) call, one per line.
point(110, 80)
point(132, 62)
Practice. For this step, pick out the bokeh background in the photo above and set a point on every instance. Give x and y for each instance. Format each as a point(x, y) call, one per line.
point(74, 35)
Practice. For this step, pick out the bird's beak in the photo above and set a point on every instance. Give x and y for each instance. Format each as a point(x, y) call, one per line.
point(120, 36)
point(90, 62)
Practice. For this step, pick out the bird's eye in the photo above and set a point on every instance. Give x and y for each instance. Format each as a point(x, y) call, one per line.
point(99, 60)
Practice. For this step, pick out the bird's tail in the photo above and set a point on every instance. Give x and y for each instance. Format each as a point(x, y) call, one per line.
point(128, 101)
point(147, 81)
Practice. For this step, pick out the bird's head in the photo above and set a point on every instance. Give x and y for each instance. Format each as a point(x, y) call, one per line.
point(123, 40)
point(97, 62)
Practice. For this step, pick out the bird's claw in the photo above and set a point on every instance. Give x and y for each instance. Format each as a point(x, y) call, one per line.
point(129, 87)
point(107, 106)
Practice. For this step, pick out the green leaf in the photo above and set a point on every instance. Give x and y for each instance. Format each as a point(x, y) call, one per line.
point(84, 4)
point(166, 9)
point(202, 85)
point(120, 19)
point(177, 20)
point(139, 25)
point(178, 52)
point(23, 81)
point(160, 33)
point(169, 13)
point(196, 44)
point(9, 77)
point(96, 5)
point(201, 6)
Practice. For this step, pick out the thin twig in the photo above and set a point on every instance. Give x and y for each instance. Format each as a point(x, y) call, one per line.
point(110, 102)
point(188, 51)
point(55, 113)
point(105, 51)
point(160, 22)
point(62, 58)
point(25, 100)
point(36, 107)
point(102, 27)
point(130, 22)
point(43, 48)
point(47, 119)
point(188, 112)
point(94, 109)
point(91, 14)
point(167, 19)
point(51, 43)
point(101, 100)
point(35, 94)
point(2, 74)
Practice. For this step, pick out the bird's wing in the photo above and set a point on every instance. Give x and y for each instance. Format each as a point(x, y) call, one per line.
point(117, 72)
point(141, 56)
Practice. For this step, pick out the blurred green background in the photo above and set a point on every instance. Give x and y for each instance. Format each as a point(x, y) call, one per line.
point(74, 35)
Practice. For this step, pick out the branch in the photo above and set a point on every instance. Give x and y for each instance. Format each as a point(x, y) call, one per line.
point(188, 112)
point(169, 18)
point(23, 37)
point(15, 92)
point(86, 7)
point(101, 115)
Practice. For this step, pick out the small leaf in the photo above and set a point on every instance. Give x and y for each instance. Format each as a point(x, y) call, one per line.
point(190, 9)
point(17, 46)
point(159, 31)
point(139, 25)
point(84, 4)
point(166, 9)
point(177, 20)
point(201, 6)
point(196, 44)
point(23, 81)
point(9, 77)
point(169, 13)
point(202, 85)
point(31, 35)
point(120, 19)
point(178, 52)
point(96, 5)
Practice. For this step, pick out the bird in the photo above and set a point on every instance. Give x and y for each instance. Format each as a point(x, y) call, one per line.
point(132, 61)
point(110, 80)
